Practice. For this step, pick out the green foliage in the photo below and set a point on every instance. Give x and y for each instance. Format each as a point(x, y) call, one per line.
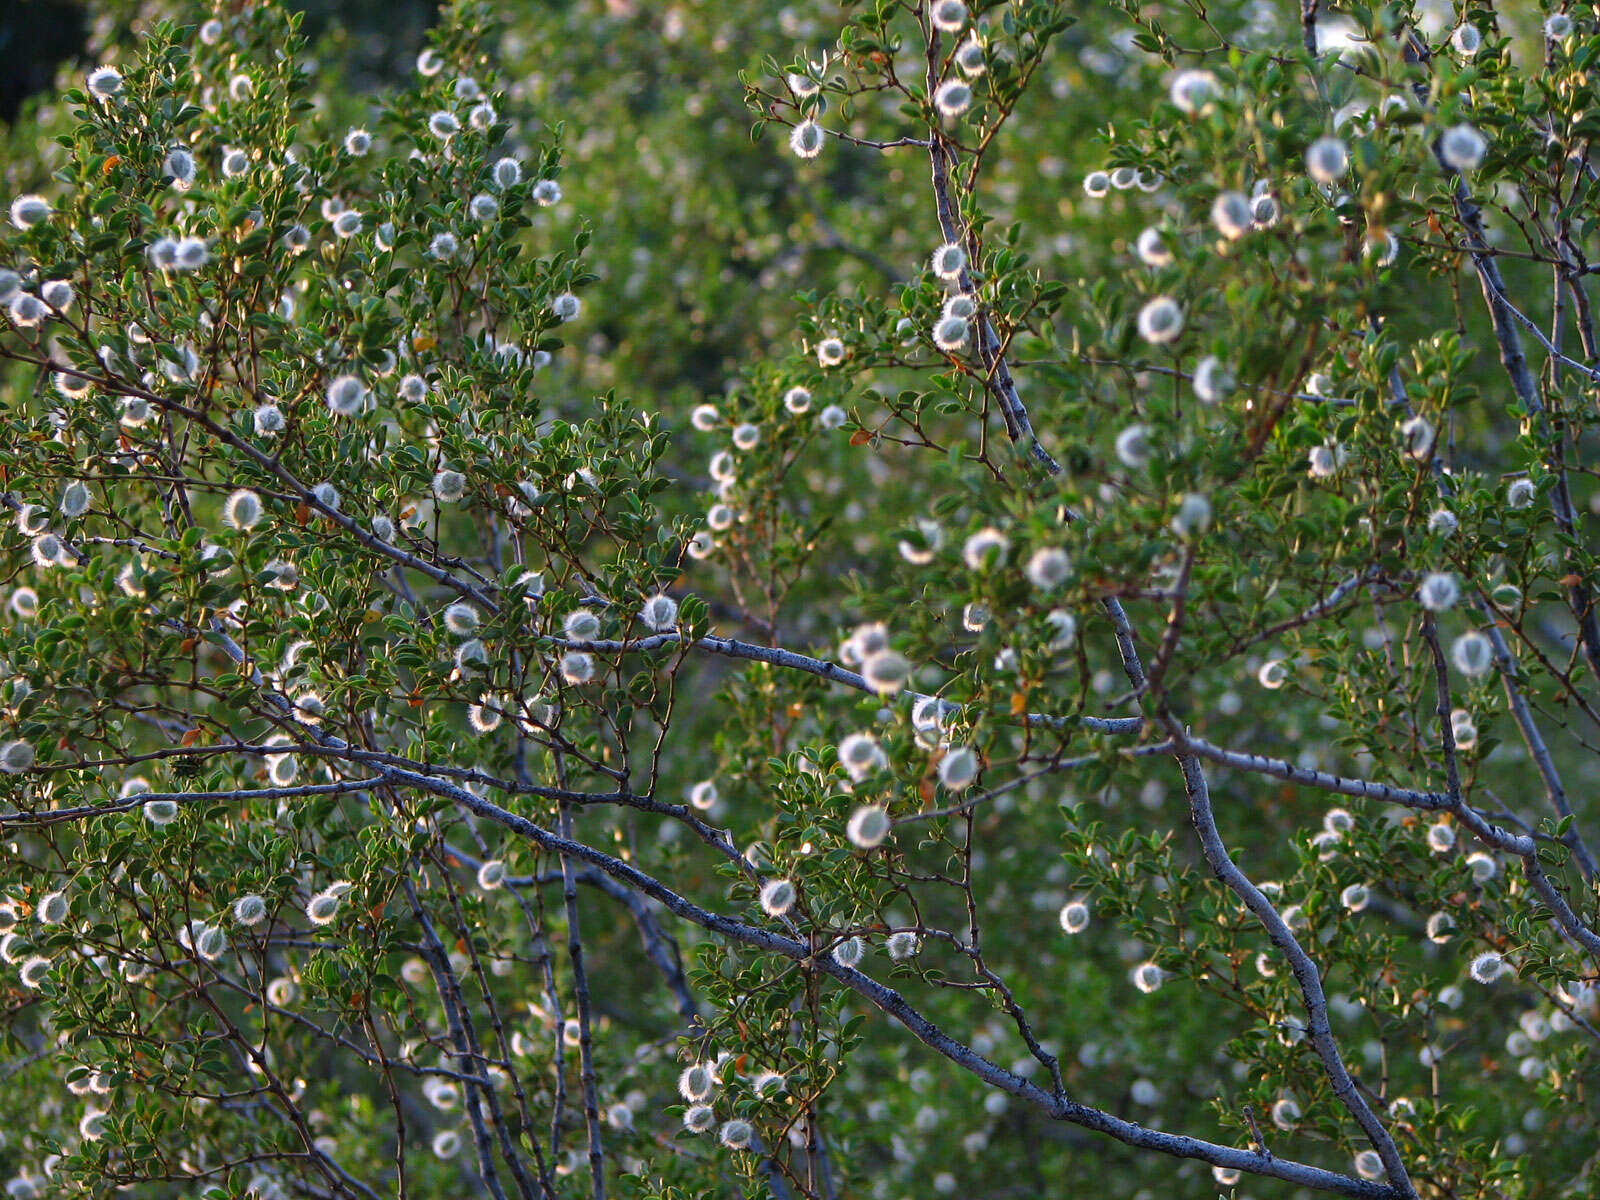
point(1013, 579)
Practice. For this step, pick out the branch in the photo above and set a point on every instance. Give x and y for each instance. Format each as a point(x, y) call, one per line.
point(832, 672)
point(894, 1005)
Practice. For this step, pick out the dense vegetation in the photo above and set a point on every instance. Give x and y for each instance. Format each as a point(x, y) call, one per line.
point(985, 596)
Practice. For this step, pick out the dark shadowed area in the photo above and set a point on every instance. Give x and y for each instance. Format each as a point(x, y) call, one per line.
point(379, 39)
point(35, 36)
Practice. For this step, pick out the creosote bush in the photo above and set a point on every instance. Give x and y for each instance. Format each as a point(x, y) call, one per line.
point(1028, 627)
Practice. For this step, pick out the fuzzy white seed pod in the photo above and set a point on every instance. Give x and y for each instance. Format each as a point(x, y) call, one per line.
point(1133, 447)
point(33, 972)
point(322, 908)
point(1368, 1165)
point(242, 510)
point(1285, 1114)
point(179, 166)
point(972, 57)
point(1355, 897)
point(1417, 438)
point(1462, 148)
point(1160, 321)
point(699, 1118)
point(777, 897)
point(577, 667)
point(1472, 653)
point(1048, 568)
point(53, 908)
point(1327, 159)
point(250, 910)
point(346, 395)
point(659, 613)
point(952, 97)
point(985, 549)
point(1439, 591)
point(27, 311)
point(1213, 380)
point(210, 942)
point(1074, 916)
point(902, 944)
point(1232, 214)
point(869, 825)
point(449, 486)
point(697, 1082)
point(28, 211)
point(461, 619)
point(949, 260)
point(16, 757)
point(581, 625)
point(806, 139)
point(860, 755)
point(1193, 516)
point(104, 82)
point(950, 333)
point(948, 15)
point(1147, 977)
point(1324, 461)
point(57, 293)
point(492, 875)
point(886, 672)
point(75, 499)
point(1192, 91)
point(768, 1084)
point(1152, 249)
point(959, 768)
point(507, 173)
